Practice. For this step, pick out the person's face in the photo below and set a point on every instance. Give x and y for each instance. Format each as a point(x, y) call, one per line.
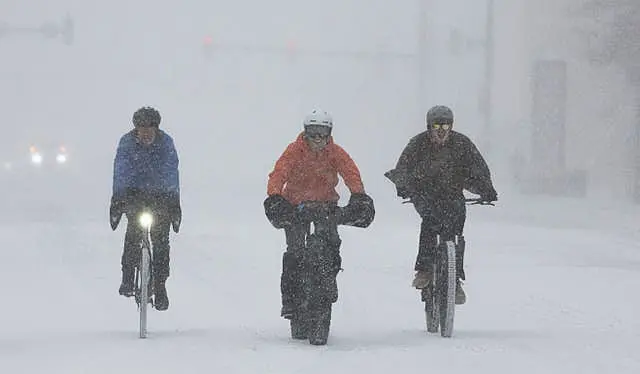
point(146, 135)
point(317, 137)
point(440, 132)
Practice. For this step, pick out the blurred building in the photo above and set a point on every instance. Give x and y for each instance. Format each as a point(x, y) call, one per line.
point(569, 120)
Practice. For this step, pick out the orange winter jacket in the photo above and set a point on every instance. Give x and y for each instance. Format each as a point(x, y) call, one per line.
point(301, 174)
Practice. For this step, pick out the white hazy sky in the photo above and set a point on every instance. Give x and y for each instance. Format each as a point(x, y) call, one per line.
point(232, 116)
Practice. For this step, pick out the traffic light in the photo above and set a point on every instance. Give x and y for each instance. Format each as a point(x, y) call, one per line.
point(291, 50)
point(207, 46)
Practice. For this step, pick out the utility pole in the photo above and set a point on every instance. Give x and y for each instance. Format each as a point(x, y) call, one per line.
point(488, 76)
point(423, 57)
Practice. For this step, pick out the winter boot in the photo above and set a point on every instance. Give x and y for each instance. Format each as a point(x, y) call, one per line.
point(127, 288)
point(461, 297)
point(161, 300)
point(422, 279)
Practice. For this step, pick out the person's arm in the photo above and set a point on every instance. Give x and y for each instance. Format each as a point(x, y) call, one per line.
point(171, 180)
point(478, 175)
point(406, 184)
point(122, 170)
point(171, 173)
point(280, 174)
point(349, 171)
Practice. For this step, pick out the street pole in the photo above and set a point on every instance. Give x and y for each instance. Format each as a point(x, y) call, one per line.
point(422, 57)
point(488, 76)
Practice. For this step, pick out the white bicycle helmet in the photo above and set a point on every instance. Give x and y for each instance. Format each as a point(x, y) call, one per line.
point(318, 117)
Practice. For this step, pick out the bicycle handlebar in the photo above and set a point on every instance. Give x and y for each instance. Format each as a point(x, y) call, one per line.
point(472, 201)
point(312, 211)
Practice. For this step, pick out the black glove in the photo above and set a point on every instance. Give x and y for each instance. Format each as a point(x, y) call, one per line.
point(279, 211)
point(402, 193)
point(116, 210)
point(175, 213)
point(489, 196)
point(360, 211)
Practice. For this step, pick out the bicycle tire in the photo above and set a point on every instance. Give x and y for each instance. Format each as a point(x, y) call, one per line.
point(319, 325)
point(446, 289)
point(145, 281)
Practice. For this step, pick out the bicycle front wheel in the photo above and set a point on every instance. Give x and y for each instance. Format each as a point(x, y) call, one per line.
point(145, 280)
point(446, 287)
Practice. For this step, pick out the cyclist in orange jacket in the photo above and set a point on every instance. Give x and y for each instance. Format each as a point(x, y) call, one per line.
point(308, 171)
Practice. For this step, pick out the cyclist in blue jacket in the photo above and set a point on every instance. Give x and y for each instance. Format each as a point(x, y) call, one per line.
point(145, 176)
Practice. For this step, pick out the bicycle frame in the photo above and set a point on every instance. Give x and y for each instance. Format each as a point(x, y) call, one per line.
point(314, 319)
point(439, 296)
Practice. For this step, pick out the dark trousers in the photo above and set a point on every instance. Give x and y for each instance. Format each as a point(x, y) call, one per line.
point(131, 255)
point(444, 218)
point(292, 259)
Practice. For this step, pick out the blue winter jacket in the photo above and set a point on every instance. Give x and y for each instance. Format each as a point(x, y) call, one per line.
point(149, 168)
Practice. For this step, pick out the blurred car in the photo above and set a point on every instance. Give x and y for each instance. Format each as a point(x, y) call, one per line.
point(37, 179)
point(23, 161)
point(54, 180)
point(43, 171)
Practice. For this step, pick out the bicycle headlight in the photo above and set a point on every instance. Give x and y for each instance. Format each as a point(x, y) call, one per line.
point(146, 220)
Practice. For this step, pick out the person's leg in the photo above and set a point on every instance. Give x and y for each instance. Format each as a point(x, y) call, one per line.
point(290, 279)
point(426, 254)
point(130, 255)
point(160, 265)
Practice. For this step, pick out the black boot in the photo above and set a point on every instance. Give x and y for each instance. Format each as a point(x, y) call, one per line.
point(460, 247)
point(288, 311)
point(127, 286)
point(161, 300)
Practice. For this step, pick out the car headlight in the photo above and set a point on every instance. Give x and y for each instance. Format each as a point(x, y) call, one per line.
point(36, 158)
point(61, 158)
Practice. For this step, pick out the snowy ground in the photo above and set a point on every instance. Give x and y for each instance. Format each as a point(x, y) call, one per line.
point(547, 293)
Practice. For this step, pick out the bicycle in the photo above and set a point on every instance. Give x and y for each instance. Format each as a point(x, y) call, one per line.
point(319, 289)
point(143, 274)
point(439, 295)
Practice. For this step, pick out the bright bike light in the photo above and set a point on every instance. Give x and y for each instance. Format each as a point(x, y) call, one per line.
point(146, 220)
